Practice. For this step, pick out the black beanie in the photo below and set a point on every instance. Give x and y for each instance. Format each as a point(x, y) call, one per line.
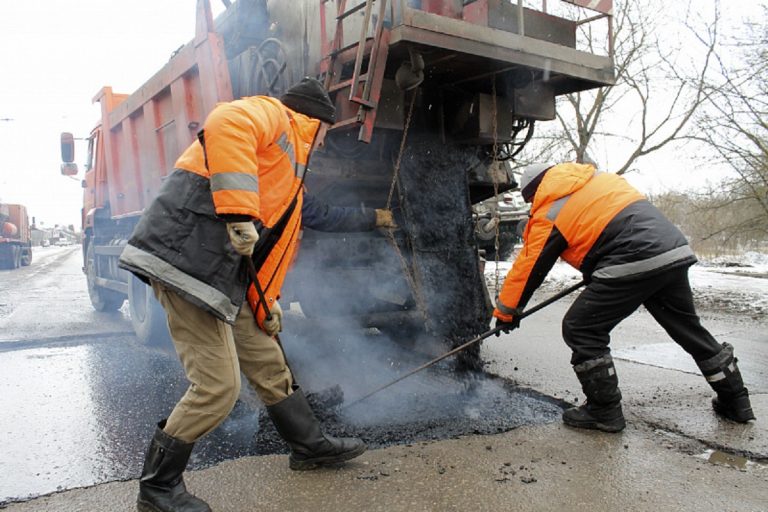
point(310, 98)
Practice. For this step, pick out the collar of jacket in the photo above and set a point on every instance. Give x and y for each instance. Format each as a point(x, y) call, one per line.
point(305, 127)
point(560, 181)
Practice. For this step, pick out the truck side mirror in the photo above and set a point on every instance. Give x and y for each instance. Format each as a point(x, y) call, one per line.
point(68, 168)
point(67, 147)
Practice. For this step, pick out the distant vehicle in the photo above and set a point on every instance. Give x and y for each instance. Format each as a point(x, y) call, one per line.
point(15, 237)
point(45, 243)
point(509, 212)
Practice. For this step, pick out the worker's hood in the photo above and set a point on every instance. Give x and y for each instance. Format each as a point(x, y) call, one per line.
point(560, 181)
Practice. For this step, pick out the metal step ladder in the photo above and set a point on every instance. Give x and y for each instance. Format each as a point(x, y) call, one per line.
point(364, 85)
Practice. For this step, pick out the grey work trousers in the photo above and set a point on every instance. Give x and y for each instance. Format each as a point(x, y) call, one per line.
point(213, 353)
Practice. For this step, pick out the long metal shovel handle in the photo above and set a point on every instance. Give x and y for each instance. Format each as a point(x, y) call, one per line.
point(483, 336)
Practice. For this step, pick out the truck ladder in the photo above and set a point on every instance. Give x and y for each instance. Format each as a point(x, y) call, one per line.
point(364, 87)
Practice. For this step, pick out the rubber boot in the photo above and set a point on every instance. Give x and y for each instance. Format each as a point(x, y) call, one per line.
point(161, 487)
point(602, 410)
point(310, 448)
point(722, 373)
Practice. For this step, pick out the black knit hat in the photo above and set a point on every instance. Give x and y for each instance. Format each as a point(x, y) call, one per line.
point(310, 98)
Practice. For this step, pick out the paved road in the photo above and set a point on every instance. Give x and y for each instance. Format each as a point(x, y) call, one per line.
point(675, 453)
point(86, 394)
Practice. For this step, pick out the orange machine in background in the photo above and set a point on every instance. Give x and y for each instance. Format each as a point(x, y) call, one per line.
point(15, 237)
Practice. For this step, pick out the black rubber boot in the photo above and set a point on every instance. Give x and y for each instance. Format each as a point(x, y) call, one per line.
point(722, 373)
point(310, 448)
point(602, 411)
point(161, 487)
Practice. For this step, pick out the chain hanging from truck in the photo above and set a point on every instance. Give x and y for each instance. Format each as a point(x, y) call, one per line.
point(495, 180)
point(409, 275)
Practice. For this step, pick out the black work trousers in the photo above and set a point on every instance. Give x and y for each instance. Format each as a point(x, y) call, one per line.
point(603, 304)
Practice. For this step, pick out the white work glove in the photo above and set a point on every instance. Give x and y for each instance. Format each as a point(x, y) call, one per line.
point(384, 219)
point(243, 236)
point(275, 324)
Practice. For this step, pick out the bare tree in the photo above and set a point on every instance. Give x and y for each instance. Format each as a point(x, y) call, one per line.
point(708, 219)
point(734, 125)
point(655, 96)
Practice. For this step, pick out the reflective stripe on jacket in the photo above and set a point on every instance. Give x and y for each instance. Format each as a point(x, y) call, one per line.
point(597, 223)
point(256, 151)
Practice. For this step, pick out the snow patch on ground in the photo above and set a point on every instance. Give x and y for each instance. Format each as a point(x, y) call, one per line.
point(749, 261)
point(736, 284)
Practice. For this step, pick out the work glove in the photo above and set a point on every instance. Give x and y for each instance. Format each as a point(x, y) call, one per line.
point(384, 219)
point(243, 236)
point(507, 327)
point(274, 324)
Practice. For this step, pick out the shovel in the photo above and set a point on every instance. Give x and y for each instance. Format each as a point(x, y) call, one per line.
point(471, 342)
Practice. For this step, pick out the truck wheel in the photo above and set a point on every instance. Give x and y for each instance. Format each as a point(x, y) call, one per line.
point(147, 315)
point(26, 258)
point(103, 299)
point(6, 256)
point(405, 334)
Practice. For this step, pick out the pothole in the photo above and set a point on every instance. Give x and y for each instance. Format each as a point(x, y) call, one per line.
point(437, 405)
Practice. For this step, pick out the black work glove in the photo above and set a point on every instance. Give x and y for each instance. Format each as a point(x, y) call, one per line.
point(506, 327)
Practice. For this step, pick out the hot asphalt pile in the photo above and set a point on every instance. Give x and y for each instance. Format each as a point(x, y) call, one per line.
point(437, 406)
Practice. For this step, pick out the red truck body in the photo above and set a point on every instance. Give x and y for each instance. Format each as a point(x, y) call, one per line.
point(15, 237)
point(470, 79)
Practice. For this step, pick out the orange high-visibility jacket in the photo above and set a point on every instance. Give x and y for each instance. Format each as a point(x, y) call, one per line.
point(599, 224)
point(257, 152)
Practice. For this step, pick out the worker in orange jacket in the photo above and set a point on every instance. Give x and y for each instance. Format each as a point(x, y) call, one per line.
point(630, 255)
point(236, 193)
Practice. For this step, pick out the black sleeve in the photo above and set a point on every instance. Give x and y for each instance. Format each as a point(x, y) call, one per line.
point(323, 217)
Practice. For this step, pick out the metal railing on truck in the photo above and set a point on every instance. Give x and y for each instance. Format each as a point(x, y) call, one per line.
point(496, 34)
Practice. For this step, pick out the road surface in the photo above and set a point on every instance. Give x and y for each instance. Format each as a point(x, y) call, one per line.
point(84, 396)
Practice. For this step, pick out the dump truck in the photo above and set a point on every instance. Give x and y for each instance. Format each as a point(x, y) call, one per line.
point(15, 237)
point(434, 100)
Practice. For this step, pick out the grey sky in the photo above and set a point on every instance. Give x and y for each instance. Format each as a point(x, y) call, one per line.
point(55, 56)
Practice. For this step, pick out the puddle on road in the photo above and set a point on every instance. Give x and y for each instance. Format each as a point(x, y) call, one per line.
point(721, 458)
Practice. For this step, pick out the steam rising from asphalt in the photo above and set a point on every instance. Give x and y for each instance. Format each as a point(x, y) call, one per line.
point(326, 349)
point(436, 403)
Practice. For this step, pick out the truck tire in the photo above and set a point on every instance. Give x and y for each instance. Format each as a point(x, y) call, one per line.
point(26, 258)
point(147, 315)
point(16, 263)
point(6, 257)
point(103, 299)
